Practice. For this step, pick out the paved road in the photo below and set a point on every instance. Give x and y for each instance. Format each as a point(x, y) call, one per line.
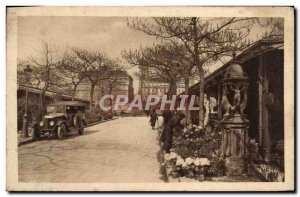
point(122, 150)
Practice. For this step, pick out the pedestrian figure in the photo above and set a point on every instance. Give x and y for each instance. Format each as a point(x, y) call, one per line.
point(147, 113)
point(172, 125)
point(153, 118)
point(181, 117)
point(122, 113)
point(167, 114)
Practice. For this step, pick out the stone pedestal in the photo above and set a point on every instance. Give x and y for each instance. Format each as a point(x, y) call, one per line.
point(234, 149)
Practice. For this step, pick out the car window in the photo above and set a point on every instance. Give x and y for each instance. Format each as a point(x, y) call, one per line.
point(55, 109)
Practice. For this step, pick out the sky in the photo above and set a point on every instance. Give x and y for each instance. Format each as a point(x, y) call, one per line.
point(106, 34)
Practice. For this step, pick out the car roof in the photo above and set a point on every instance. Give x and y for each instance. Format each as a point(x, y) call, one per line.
point(68, 103)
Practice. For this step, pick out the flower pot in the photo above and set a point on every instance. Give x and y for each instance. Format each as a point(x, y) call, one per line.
point(202, 170)
point(174, 174)
point(190, 174)
point(192, 166)
point(200, 177)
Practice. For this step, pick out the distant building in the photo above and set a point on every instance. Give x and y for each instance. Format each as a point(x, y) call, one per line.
point(124, 86)
point(156, 88)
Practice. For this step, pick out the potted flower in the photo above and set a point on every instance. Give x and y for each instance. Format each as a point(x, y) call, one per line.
point(190, 167)
point(201, 167)
point(170, 159)
point(178, 165)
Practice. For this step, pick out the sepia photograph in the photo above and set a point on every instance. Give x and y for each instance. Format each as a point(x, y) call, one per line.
point(150, 99)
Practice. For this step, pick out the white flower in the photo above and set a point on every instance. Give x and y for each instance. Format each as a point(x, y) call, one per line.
point(167, 156)
point(189, 161)
point(179, 162)
point(178, 157)
point(184, 165)
point(202, 162)
point(173, 155)
point(197, 162)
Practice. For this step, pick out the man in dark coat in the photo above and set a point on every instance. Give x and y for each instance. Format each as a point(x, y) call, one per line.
point(167, 114)
point(168, 132)
point(153, 118)
point(173, 124)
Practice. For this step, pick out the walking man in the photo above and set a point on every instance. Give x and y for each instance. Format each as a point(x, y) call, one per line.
point(153, 118)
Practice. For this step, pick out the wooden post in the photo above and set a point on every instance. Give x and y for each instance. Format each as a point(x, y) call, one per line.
point(219, 102)
point(264, 135)
point(267, 140)
point(260, 101)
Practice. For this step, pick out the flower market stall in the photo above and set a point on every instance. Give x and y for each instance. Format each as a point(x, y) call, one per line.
point(194, 156)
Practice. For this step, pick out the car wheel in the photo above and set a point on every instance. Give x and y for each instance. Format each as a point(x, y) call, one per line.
point(81, 128)
point(61, 132)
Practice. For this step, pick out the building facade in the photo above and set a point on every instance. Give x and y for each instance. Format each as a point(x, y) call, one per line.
point(156, 88)
point(122, 86)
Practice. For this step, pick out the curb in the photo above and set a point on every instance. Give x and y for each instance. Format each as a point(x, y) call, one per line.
point(94, 123)
point(26, 142)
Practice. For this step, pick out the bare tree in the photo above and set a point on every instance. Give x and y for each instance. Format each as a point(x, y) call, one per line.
point(206, 39)
point(72, 68)
point(116, 76)
point(44, 68)
point(158, 63)
point(95, 68)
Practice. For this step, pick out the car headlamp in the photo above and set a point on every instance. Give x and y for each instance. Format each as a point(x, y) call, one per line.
point(51, 123)
point(41, 123)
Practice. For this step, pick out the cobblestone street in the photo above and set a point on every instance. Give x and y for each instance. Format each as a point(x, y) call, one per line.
point(122, 150)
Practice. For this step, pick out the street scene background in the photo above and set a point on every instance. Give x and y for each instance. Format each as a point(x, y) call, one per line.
point(234, 66)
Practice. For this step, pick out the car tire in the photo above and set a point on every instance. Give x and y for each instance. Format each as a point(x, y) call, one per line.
point(81, 128)
point(61, 132)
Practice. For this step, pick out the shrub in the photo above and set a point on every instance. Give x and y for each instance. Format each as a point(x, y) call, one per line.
point(96, 115)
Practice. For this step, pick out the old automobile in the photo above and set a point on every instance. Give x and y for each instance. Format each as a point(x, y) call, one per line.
point(61, 118)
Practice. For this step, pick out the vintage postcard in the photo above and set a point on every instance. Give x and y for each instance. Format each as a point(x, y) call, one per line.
point(150, 99)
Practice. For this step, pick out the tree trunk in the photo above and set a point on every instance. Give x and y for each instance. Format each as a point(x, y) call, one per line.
point(92, 95)
point(201, 72)
point(43, 102)
point(186, 92)
point(172, 89)
point(201, 97)
point(110, 100)
point(73, 93)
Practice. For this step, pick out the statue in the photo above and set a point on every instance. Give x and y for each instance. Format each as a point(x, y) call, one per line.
point(238, 104)
point(234, 124)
